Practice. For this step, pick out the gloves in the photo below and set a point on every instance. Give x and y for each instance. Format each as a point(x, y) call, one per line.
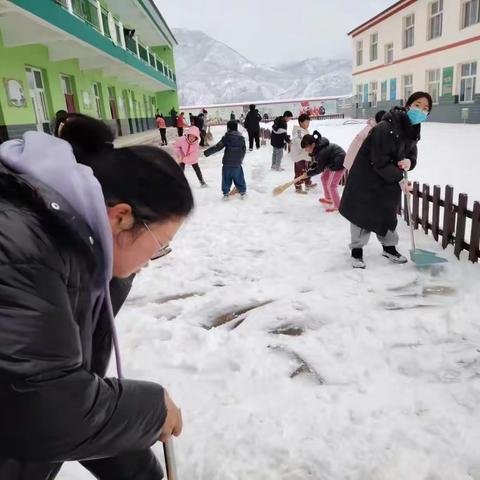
point(406, 186)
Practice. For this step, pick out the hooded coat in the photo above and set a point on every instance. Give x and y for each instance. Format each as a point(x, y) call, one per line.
point(372, 193)
point(56, 320)
point(186, 152)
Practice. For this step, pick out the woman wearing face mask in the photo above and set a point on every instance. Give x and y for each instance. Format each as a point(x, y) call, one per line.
point(66, 229)
point(373, 191)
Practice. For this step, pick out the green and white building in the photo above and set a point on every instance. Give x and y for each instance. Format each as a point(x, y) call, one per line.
point(111, 59)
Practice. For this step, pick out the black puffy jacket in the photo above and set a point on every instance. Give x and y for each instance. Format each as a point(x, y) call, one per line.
point(279, 133)
point(252, 121)
point(326, 155)
point(235, 148)
point(372, 193)
point(55, 403)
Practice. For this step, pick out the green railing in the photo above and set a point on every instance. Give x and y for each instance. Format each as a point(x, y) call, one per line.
point(87, 11)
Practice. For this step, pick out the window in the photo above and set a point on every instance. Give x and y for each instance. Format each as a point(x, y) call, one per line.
point(408, 30)
point(372, 97)
point(433, 84)
point(468, 74)
point(389, 53)
point(66, 85)
point(373, 47)
point(470, 13)
point(435, 19)
point(383, 91)
point(359, 52)
point(407, 81)
point(37, 94)
point(97, 94)
point(359, 98)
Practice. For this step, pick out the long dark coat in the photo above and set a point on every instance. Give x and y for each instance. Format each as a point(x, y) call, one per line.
point(372, 194)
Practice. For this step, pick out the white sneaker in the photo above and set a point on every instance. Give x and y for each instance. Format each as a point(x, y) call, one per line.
point(358, 263)
point(226, 198)
point(394, 256)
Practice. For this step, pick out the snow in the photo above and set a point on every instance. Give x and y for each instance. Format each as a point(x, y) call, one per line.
point(394, 393)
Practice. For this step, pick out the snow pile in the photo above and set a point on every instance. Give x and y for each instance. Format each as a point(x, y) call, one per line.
point(316, 371)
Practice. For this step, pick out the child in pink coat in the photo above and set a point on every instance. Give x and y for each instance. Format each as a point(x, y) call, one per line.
point(360, 138)
point(187, 152)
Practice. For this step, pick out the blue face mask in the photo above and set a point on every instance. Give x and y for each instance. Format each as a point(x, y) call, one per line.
point(416, 116)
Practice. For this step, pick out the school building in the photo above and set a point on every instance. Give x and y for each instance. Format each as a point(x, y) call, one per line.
point(111, 59)
point(426, 45)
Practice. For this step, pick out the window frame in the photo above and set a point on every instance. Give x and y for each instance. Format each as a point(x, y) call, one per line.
point(387, 49)
point(432, 16)
point(465, 3)
point(405, 86)
point(359, 53)
point(470, 76)
point(373, 44)
point(408, 28)
point(430, 83)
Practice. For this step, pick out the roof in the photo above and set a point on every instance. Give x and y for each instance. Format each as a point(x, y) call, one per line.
point(154, 6)
point(381, 14)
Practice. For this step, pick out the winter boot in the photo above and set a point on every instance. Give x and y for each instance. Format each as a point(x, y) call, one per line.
point(300, 191)
point(357, 258)
point(203, 185)
point(325, 201)
point(392, 254)
point(243, 195)
point(332, 210)
point(225, 198)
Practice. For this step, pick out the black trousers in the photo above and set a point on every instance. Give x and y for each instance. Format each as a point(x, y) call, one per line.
point(196, 167)
point(130, 466)
point(253, 135)
point(163, 134)
point(180, 131)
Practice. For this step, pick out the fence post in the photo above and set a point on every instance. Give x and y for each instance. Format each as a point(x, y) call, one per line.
point(436, 212)
point(416, 196)
point(448, 217)
point(461, 220)
point(425, 207)
point(475, 235)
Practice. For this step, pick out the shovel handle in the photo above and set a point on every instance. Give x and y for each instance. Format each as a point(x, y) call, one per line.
point(409, 212)
point(170, 464)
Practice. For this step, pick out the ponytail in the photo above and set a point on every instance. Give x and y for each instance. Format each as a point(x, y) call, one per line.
point(313, 139)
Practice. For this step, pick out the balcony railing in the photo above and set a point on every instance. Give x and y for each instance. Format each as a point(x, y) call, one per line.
point(92, 13)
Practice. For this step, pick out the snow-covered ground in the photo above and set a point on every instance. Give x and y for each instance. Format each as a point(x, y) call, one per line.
point(334, 374)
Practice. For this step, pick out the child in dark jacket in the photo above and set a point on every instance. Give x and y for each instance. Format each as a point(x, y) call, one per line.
point(235, 149)
point(328, 160)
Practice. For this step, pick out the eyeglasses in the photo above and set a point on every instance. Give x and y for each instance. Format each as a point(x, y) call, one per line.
point(162, 249)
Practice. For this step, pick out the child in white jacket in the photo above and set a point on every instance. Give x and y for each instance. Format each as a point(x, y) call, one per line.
point(298, 154)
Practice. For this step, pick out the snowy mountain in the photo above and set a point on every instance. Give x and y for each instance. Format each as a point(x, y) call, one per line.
point(208, 72)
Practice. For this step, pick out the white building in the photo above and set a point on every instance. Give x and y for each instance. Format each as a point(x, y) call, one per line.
point(428, 45)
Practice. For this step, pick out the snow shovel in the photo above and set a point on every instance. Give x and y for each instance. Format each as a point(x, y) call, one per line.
point(281, 188)
point(170, 464)
point(421, 258)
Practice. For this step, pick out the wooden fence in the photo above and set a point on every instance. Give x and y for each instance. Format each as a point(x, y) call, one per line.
point(446, 220)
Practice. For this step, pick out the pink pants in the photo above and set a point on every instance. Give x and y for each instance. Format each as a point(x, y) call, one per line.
point(330, 181)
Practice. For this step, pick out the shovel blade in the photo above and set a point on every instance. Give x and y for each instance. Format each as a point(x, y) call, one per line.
point(424, 258)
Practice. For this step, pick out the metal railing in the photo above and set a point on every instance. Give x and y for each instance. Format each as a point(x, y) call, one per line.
point(97, 17)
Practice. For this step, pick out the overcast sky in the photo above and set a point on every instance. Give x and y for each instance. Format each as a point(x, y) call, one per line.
point(274, 31)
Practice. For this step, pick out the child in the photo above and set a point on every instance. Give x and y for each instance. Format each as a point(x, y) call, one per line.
point(186, 151)
point(279, 139)
point(298, 155)
point(162, 126)
point(181, 124)
point(327, 158)
point(235, 149)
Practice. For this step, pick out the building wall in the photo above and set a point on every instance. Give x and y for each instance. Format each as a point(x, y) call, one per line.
point(455, 46)
point(15, 120)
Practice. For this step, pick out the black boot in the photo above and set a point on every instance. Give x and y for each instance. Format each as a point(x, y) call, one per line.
point(357, 258)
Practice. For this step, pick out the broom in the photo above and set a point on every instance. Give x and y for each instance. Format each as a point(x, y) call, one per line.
point(281, 188)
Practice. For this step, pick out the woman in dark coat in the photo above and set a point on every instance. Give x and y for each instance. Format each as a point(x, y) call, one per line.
point(372, 194)
point(65, 231)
